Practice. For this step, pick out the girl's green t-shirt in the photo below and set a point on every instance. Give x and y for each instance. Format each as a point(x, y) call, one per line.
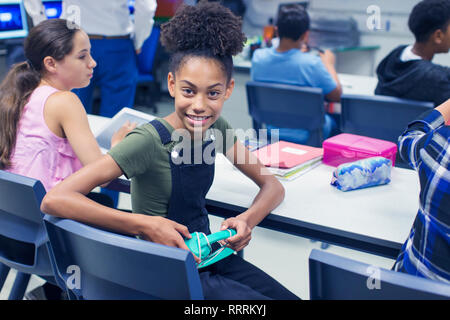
point(145, 160)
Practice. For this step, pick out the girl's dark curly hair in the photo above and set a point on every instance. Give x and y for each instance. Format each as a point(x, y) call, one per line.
point(206, 30)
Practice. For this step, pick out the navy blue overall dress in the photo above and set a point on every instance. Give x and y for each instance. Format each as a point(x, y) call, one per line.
point(231, 278)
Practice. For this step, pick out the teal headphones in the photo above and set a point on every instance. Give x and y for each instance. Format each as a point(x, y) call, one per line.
point(200, 245)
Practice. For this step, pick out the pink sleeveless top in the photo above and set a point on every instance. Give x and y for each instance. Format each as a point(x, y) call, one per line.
point(39, 153)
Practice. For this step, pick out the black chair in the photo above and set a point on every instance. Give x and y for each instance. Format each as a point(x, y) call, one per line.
point(287, 106)
point(98, 264)
point(380, 117)
point(332, 277)
point(23, 238)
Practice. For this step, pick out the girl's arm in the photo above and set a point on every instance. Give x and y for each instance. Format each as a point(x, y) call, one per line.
point(270, 195)
point(67, 200)
point(65, 116)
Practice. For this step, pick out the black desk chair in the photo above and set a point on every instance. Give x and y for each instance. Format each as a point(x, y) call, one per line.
point(287, 106)
point(380, 117)
point(23, 238)
point(106, 265)
point(332, 277)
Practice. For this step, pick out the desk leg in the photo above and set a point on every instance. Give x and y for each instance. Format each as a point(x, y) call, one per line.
point(4, 270)
point(19, 286)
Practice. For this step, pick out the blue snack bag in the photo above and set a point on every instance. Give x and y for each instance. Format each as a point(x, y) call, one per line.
point(363, 173)
point(201, 245)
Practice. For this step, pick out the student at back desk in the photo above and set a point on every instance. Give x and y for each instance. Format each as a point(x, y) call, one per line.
point(289, 64)
point(408, 71)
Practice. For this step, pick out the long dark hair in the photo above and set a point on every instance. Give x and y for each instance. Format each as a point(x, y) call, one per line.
point(51, 38)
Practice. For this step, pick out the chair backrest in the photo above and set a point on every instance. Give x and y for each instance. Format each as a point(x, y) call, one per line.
point(23, 238)
point(287, 106)
point(332, 277)
point(114, 266)
point(380, 117)
point(147, 56)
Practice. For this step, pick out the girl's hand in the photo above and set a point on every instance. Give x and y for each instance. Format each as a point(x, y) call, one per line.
point(163, 231)
point(122, 132)
point(243, 233)
point(444, 109)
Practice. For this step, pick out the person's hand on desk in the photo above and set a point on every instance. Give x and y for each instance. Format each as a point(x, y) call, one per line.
point(328, 58)
point(243, 233)
point(304, 47)
point(122, 132)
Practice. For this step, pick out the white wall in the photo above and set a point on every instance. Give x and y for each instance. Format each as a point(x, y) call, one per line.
point(393, 21)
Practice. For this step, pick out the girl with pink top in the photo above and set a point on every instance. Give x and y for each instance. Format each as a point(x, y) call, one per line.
point(44, 129)
point(44, 132)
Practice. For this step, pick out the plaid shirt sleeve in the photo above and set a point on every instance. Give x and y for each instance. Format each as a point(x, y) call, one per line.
point(425, 146)
point(417, 135)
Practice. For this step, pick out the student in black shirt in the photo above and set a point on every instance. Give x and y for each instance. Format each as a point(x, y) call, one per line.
point(408, 71)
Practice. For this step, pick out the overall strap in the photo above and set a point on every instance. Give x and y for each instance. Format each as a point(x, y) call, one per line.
point(163, 132)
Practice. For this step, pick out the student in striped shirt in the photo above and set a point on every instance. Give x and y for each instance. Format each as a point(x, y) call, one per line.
point(426, 146)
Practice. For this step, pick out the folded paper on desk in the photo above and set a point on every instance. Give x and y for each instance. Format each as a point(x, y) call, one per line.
point(104, 135)
point(287, 160)
point(362, 174)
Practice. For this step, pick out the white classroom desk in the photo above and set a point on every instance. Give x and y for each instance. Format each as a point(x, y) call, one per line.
point(357, 84)
point(375, 220)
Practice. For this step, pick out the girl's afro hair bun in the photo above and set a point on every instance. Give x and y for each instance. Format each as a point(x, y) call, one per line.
point(208, 26)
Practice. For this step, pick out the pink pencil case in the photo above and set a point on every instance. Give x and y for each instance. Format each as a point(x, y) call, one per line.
point(347, 147)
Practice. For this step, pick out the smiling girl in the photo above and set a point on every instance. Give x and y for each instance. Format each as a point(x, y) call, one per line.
point(168, 196)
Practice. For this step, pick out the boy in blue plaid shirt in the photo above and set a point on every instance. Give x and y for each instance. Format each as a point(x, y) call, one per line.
point(426, 146)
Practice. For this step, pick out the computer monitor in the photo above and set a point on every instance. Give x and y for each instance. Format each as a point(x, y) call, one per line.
point(13, 21)
point(53, 8)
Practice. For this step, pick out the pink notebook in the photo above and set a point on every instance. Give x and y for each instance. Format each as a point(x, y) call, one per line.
point(285, 154)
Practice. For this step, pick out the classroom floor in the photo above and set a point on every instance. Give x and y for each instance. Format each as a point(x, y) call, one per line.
point(283, 256)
